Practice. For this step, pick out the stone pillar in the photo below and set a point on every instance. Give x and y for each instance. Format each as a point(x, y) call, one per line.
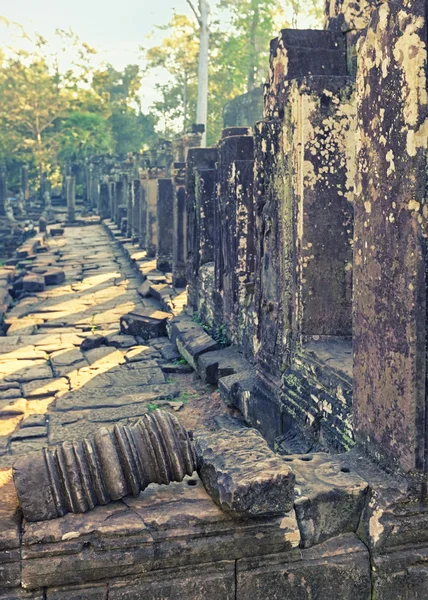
point(136, 211)
point(179, 250)
point(24, 184)
point(200, 214)
point(117, 200)
point(152, 227)
point(111, 195)
point(44, 187)
point(236, 144)
point(305, 168)
point(130, 209)
point(165, 222)
point(123, 204)
point(71, 198)
point(143, 210)
point(95, 189)
point(3, 190)
point(104, 207)
point(90, 184)
point(390, 253)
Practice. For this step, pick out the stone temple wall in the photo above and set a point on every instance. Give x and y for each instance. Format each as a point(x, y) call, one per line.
point(302, 241)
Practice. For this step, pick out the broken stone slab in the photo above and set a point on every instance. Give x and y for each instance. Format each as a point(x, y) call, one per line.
point(221, 363)
point(12, 408)
point(116, 397)
point(54, 277)
point(34, 421)
point(29, 433)
point(45, 388)
point(33, 283)
point(243, 475)
point(76, 477)
point(329, 496)
point(146, 326)
point(65, 361)
point(121, 377)
point(194, 343)
point(144, 289)
point(56, 231)
point(141, 353)
point(237, 390)
point(120, 340)
point(105, 356)
point(10, 394)
point(30, 372)
point(161, 291)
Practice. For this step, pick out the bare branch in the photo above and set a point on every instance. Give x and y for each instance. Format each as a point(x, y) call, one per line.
point(195, 12)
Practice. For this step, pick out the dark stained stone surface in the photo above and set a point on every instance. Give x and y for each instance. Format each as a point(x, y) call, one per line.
point(340, 566)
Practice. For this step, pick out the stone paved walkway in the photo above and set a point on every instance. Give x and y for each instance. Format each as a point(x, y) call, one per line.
point(50, 389)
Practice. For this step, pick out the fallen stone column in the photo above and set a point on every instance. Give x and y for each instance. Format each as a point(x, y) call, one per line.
point(77, 476)
point(237, 467)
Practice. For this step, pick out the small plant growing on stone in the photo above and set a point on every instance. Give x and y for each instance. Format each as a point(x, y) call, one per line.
point(180, 361)
point(220, 335)
point(152, 406)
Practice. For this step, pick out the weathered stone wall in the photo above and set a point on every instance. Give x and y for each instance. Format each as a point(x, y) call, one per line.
point(390, 238)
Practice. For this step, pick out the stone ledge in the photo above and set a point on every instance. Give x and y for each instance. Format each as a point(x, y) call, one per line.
point(342, 565)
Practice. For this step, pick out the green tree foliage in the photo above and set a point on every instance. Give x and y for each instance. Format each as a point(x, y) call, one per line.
point(130, 128)
point(49, 115)
point(178, 55)
point(241, 31)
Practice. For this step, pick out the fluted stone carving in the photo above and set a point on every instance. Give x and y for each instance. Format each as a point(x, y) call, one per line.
point(77, 476)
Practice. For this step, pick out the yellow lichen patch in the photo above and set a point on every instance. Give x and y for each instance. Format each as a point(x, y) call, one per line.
point(414, 205)
point(417, 139)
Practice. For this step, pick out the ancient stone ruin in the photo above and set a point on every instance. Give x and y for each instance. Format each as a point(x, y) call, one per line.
point(288, 266)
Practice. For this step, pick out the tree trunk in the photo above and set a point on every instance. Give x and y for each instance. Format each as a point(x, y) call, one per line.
point(185, 103)
point(251, 82)
point(202, 108)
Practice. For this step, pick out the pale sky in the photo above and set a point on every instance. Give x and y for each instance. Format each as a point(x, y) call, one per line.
point(116, 28)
